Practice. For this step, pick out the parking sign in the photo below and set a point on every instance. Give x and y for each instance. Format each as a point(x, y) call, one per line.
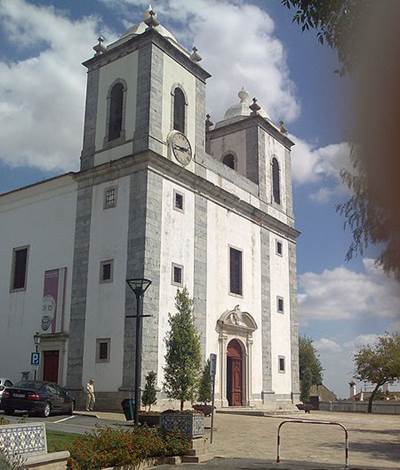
point(35, 359)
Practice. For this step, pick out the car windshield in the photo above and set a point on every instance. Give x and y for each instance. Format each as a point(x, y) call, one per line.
point(31, 385)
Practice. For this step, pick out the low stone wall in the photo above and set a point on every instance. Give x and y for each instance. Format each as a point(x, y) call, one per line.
point(390, 407)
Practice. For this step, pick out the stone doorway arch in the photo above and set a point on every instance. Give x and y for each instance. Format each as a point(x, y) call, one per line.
point(235, 330)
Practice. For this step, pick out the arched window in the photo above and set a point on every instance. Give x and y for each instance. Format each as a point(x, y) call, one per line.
point(229, 160)
point(179, 110)
point(276, 189)
point(116, 111)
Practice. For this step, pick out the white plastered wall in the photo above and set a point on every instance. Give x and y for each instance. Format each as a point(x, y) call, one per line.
point(225, 229)
point(42, 217)
point(105, 307)
point(125, 68)
point(175, 74)
point(280, 322)
point(177, 246)
point(232, 143)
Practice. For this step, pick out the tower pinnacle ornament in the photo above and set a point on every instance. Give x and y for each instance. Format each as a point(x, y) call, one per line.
point(150, 18)
point(99, 48)
point(195, 56)
point(254, 107)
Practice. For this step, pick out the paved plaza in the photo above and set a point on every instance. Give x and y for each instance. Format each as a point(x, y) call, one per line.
point(374, 441)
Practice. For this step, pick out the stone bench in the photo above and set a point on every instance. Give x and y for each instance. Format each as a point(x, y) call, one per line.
point(28, 440)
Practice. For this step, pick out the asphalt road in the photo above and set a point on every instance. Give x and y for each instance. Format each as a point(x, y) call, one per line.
point(73, 424)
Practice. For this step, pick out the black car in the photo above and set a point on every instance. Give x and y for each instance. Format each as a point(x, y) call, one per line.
point(37, 397)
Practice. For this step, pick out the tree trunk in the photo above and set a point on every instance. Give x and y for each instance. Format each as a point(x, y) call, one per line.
point(182, 403)
point(371, 398)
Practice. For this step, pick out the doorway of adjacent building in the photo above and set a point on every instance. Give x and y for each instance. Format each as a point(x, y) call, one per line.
point(50, 366)
point(234, 379)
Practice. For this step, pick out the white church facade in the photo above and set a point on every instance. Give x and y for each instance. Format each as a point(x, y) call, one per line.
point(163, 194)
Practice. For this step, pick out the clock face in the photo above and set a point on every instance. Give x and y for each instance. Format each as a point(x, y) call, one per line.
point(181, 148)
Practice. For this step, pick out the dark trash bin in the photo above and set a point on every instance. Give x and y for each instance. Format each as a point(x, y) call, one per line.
point(128, 405)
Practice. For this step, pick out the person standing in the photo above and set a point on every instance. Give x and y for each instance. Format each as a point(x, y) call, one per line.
point(90, 398)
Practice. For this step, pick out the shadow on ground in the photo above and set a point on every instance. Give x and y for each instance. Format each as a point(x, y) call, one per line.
point(378, 451)
point(256, 464)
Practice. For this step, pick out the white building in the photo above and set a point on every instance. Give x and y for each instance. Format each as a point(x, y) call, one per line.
point(165, 195)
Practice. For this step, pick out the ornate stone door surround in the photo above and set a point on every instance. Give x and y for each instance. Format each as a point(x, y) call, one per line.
point(235, 324)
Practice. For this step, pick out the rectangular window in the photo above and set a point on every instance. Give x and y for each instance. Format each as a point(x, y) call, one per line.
point(177, 274)
point(281, 364)
point(279, 248)
point(110, 197)
point(106, 270)
point(235, 271)
point(279, 304)
point(178, 201)
point(19, 268)
point(103, 350)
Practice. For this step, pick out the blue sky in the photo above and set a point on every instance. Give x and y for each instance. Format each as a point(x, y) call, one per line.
point(254, 44)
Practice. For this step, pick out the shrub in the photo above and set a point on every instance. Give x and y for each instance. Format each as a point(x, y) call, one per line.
point(205, 389)
point(108, 447)
point(149, 396)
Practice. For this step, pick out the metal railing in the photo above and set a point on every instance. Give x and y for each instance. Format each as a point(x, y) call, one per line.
point(306, 421)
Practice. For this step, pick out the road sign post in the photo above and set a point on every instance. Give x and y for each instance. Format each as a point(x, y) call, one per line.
point(213, 370)
point(35, 361)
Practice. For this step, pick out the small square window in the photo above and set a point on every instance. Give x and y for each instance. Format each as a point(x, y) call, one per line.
point(103, 350)
point(279, 304)
point(110, 197)
point(281, 364)
point(19, 268)
point(279, 248)
point(177, 275)
point(106, 271)
point(178, 201)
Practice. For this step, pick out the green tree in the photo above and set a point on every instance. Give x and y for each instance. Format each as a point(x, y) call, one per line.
point(379, 363)
point(183, 357)
point(371, 213)
point(310, 368)
point(205, 390)
point(149, 396)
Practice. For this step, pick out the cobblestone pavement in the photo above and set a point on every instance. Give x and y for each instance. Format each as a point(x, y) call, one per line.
point(374, 441)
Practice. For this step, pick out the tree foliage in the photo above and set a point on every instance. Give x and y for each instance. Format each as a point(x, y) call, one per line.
point(379, 363)
point(183, 357)
point(205, 389)
point(149, 396)
point(359, 30)
point(310, 368)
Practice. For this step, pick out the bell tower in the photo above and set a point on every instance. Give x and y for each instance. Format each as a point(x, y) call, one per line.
point(139, 89)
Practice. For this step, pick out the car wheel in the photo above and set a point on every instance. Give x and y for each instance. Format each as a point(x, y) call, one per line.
point(8, 411)
point(46, 410)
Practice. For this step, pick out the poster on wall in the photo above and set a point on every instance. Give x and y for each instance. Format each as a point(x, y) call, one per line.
point(53, 300)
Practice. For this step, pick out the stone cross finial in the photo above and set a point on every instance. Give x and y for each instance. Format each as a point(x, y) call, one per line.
point(195, 56)
point(99, 48)
point(254, 107)
point(209, 123)
point(150, 18)
point(282, 127)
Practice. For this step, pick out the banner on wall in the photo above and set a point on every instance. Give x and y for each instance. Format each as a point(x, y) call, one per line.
point(53, 300)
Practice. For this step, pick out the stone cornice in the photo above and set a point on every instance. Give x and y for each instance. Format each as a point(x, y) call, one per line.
point(136, 42)
point(150, 160)
point(251, 121)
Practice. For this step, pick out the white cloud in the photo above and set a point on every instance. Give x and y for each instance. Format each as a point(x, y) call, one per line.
point(239, 48)
point(312, 164)
point(340, 294)
point(42, 97)
point(327, 345)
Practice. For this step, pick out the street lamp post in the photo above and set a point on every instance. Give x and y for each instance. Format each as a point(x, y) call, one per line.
point(139, 287)
point(36, 340)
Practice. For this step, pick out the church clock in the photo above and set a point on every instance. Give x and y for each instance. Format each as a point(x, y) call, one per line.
point(180, 147)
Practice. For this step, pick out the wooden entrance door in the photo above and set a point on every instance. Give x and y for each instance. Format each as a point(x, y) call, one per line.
point(50, 366)
point(234, 374)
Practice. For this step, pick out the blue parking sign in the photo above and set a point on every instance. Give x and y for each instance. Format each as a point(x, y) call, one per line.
point(35, 359)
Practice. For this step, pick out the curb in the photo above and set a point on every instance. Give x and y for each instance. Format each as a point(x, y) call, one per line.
point(87, 414)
